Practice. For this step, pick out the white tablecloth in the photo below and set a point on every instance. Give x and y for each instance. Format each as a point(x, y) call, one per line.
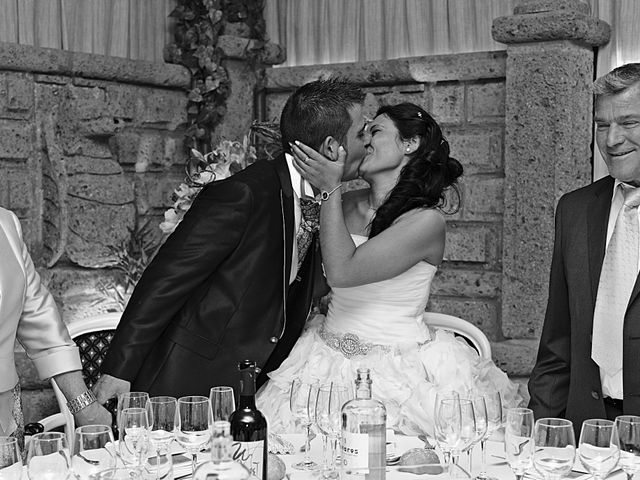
point(496, 464)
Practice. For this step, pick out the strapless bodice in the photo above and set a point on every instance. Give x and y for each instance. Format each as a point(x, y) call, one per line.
point(385, 312)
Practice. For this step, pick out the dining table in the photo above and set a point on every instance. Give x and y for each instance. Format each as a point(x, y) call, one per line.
point(496, 465)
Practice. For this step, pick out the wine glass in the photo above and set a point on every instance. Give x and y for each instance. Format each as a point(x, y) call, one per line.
point(518, 440)
point(555, 447)
point(134, 439)
point(328, 418)
point(222, 403)
point(129, 400)
point(194, 431)
point(162, 413)
point(10, 459)
point(447, 423)
point(493, 404)
point(480, 414)
point(628, 440)
point(302, 398)
point(91, 451)
point(467, 427)
point(48, 456)
point(598, 449)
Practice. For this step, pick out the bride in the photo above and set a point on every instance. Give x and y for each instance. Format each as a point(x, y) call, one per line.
point(381, 248)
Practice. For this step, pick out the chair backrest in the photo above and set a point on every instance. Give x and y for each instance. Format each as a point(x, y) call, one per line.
point(93, 336)
point(462, 328)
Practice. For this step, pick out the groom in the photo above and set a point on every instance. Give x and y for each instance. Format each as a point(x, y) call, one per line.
point(233, 281)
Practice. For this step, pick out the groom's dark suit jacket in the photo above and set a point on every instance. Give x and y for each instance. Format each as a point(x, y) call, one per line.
point(565, 381)
point(218, 290)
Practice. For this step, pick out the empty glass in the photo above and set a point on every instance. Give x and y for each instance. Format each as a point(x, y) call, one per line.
point(447, 423)
point(555, 447)
point(194, 431)
point(518, 440)
point(480, 414)
point(129, 400)
point(222, 403)
point(10, 460)
point(598, 449)
point(330, 399)
point(162, 413)
point(628, 440)
point(493, 404)
point(302, 398)
point(92, 452)
point(134, 440)
point(48, 457)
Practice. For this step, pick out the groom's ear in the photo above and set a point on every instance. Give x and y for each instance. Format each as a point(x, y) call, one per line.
point(329, 148)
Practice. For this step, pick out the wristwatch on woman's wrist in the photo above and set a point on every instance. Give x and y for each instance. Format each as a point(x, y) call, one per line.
point(83, 400)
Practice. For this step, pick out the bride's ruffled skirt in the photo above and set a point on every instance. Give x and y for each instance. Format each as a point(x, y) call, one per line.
point(405, 378)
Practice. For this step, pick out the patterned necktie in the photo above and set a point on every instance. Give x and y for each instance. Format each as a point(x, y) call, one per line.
point(618, 276)
point(309, 224)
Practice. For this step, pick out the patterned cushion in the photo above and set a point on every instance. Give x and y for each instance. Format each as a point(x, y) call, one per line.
point(93, 348)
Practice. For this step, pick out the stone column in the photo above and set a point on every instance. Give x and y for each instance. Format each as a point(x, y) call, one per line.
point(550, 68)
point(245, 82)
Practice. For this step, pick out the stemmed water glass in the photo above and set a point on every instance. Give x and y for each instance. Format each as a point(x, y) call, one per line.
point(48, 456)
point(196, 420)
point(302, 401)
point(447, 422)
point(493, 404)
point(555, 447)
point(628, 440)
point(162, 413)
point(10, 459)
point(330, 399)
point(134, 440)
point(480, 414)
point(467, 428)
point(222, 403)
point(129, 400)
point(518, 440)
point(92, 451)
point(598, 449)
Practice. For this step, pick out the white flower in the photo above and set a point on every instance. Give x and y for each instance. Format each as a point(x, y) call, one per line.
point(211, 167)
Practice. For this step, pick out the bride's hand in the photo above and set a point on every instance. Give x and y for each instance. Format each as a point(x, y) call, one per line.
point(321, 172)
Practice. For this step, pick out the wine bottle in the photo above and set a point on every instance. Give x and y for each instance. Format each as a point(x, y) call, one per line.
point(248, 425)
point(364, 433)
point(221, 466)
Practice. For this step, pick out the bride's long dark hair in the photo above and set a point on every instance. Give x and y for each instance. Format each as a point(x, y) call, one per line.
point(429, 173)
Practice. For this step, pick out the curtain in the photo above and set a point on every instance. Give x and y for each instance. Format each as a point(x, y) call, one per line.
point(332, 31)
point(134, 29)
point(623, 47)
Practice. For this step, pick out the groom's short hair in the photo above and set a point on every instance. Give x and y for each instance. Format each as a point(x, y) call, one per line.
point(317, 110)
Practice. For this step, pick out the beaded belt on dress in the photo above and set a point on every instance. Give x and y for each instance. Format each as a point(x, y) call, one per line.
point(349, 344)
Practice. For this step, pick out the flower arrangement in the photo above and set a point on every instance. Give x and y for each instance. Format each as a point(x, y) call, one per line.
point(227, 158)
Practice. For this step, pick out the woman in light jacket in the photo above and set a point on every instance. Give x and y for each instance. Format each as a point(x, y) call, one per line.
point(29, 313)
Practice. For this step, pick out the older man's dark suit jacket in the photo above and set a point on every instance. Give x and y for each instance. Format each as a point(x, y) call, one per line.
point(565, 381)
point(218, 290)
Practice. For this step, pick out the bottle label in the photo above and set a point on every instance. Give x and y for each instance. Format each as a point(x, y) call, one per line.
point(355, 454)
point(251, 455)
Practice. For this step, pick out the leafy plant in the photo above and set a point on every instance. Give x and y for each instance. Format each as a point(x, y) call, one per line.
point(199, 23)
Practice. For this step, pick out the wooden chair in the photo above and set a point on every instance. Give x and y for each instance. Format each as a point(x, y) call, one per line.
point(462, 328)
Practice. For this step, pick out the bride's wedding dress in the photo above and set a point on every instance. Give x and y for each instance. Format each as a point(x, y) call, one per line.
point(380, 326)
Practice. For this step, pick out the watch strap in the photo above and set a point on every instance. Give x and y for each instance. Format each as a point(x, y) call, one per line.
point(83, 400)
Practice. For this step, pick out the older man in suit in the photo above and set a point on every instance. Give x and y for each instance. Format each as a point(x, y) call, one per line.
point(589, 352)
point(233, 281)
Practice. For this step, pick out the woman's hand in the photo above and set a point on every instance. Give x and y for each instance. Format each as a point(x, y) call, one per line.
point(323, 173)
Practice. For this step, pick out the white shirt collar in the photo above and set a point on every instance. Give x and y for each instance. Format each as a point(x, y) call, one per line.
point(297, 182)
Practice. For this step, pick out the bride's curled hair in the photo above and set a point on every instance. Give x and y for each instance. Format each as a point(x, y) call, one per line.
point(429, 173)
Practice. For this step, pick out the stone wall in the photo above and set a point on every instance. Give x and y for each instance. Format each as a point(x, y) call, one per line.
point(90, 148)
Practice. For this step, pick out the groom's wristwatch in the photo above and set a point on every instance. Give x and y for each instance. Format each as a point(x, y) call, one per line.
point(81, 401)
